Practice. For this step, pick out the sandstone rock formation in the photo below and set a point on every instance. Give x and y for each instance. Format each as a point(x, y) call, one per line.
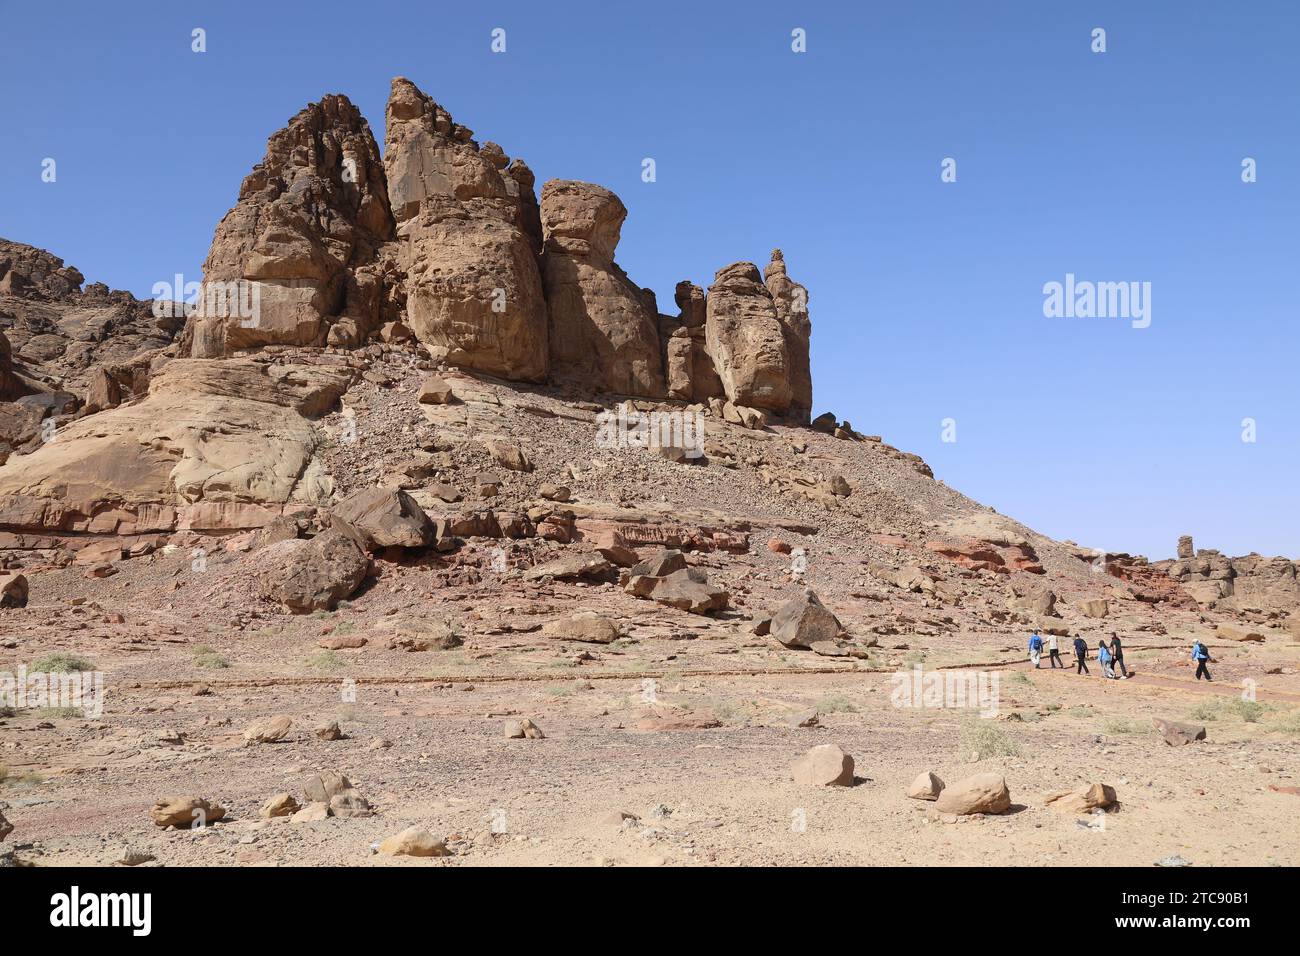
point(468, 237)
point(302, 241)
point(214, 444)
point(747, 340)
point(603, 329)
point(791, 301)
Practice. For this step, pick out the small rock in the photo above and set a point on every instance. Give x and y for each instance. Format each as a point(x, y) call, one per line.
point(926, 786)
point(824, 766)
point(523, 728)
point(413, 841)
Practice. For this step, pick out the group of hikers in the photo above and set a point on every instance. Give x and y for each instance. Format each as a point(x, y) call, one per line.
point(1111, 657)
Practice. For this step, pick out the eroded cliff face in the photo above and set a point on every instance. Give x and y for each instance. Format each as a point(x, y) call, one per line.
point(445, 240)
point(298, 252)
point(469, 235)
point(604, 329)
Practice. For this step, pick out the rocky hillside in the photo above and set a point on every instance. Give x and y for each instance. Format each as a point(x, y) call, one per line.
point(413, 358)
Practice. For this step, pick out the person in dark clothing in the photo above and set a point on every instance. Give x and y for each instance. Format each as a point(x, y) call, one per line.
point(1117, 652)
point(1202, 656)
point(1081, 655)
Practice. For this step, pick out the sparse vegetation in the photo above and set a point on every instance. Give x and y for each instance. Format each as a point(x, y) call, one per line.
point(325, 661)
point(835, 705)
point(728, 711)
point(1122, 725)
point(1287, 723)
point(62, 664)
point(205, 656)
point(982, 738)
point(1249, 711)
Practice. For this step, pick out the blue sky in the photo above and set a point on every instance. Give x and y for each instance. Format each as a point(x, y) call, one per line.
point(926, 297)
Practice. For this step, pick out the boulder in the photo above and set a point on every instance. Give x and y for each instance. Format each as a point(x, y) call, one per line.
point(316, 573)
point(1094, 607)
point(6, 827)
point(1178, 734)
point(185, 812)
point(268, 730)
point(690, 590)
point(981, 793)
point(824, 766)
point(280, 805)
point(434, 390)
point(329, 731)
point(13, 589)
point(215, 445)
point(553, 492)
point(413, 841)
point(604, 332)
point(507, 454)
point(523, 728)
point(1096, 796)
point(804, 621)
point(569, 566)
point(386, 518)
point(660, 565)
point(926, 786)
point(587, 626)
point(311, 813)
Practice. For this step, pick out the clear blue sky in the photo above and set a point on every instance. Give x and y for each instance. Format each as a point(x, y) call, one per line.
point(926, 298)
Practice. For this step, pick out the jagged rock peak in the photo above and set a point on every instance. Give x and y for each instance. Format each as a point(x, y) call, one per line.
point(309, 220)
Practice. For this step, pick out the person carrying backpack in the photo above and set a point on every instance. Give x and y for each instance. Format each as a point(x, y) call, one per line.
point(1054, 651)
point(1081, 656)
point(1202, 656)
point(1035, 649)
point(1104, 658)
point(1117, 652)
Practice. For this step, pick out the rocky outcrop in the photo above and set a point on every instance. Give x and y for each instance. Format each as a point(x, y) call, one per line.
point(746, 340)
point(56, 337)
point(215, 444)
point(302, 241)
point(791, 301)
point(1250, 581)
point(11, 386)
point(469, 232)
point(603, 329)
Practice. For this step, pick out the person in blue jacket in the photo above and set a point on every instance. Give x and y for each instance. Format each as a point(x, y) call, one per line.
point(1081, 656)
point(1201, 655)
point(1035, 649)
point(1104, 658)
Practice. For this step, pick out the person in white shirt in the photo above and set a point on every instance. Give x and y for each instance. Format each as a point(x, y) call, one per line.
point(1054, 651)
